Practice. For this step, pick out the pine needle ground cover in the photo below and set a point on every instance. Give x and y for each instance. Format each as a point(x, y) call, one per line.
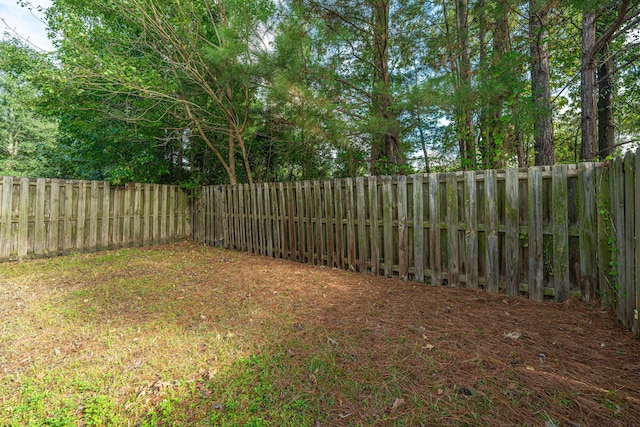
point(188, 335)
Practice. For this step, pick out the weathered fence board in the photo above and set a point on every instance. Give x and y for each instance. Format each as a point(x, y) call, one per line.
point(536, 260)
point(47, 217)
point(512, 232)
point(559, 201)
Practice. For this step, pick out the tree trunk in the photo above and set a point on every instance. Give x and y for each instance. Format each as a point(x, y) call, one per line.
point(386, 152)
point(464, 117)
point(606, 129)
point(540, 72)
point(588, 149)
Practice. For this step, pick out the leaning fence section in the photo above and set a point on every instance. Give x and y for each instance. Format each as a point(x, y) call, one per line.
point(47, 217)
point(533, 231)
point(624, 208)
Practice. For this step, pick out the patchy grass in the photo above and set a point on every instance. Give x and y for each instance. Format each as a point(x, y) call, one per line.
point(184, 334)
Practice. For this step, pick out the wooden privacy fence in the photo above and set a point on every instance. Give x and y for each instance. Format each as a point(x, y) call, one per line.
point(625, 213)
point(544, 231)
point(47, 217)
point(534, 231)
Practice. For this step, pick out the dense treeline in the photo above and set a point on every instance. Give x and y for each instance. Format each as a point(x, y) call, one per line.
point(197, 92)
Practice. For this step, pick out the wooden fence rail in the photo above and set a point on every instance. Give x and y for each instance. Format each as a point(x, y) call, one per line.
point(46, 217)
point(525, 231)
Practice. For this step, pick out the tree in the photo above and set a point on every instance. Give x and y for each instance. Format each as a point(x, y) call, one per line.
point(626, 17)
point(352, 64)
point(25, 137)
point(194, 61)
point(540, 82)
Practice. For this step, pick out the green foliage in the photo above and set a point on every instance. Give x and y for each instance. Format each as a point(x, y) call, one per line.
point(26, 138)
point(234, 91)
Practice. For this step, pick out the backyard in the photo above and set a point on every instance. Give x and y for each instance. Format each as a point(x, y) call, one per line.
point(186, 334)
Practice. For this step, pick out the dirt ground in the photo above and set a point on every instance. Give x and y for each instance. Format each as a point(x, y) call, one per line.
point(525, 362)
point(541, 350)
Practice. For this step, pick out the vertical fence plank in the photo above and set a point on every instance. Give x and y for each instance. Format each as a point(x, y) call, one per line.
point(23, 219)
point(249, 218)
point(127, 214)
point(214, 228)
point(137, 214)
point(67, 225)
point(587, 244)
point(617, 206)
point(328, 209)
point(156, 213)
point(54, 218)
point(403, 229)
point(81, 215)
point(361, 210)
point(512, 232)
point(104, 226)
point(339, 212)
point(242, 217)
point(261, 220)
point(275, 219)
point(5, 225)
point(219, 218)
point(471, 232)
point(493, 255)
point(435, 255)
point(374, 225)
point(559, 218)
point(180, 212)
point(387, 224)
point(93, 216)
point(350, 233)
point(636, 221)
point(230, 239)
point(164, 213)
point(452, 229)
point(39, 225)
point(628, 285)
point(284, 249)
point(172, 211)
point(418, 227)
point(226, 217)
point(291, 222)
point(269, 214)
point(309, 222)
point(200, 215)
point(605, 215)
point(117, 216)
point(536, 260)
point(299, 198)
point(146, 220)
point(319, 222)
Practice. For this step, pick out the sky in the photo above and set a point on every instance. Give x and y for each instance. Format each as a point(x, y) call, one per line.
point(25, 22)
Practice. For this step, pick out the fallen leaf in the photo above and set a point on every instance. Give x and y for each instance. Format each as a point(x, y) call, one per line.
point(332, 341)
point(512, 335)
point(397, 403)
